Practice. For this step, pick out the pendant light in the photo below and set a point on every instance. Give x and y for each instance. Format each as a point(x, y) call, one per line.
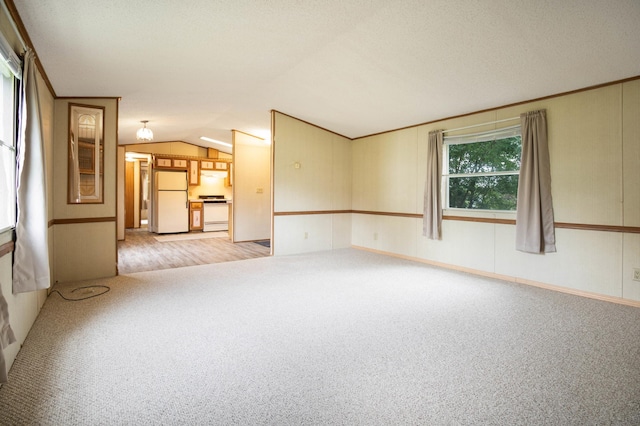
point(144, 134)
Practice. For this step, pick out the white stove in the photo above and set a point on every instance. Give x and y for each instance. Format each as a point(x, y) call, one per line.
point(216, 213)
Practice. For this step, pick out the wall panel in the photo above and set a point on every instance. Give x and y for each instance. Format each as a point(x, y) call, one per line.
point(630, 261)
point(586, 260)
point(341, 180)
point(594, 142)
point(303, 166)
point(464, 244)
point(302, 234)
point(631, 152)
point(83, 251)
point(341, 230)
point(312, 172)
point(251, 188)
point(366, 154)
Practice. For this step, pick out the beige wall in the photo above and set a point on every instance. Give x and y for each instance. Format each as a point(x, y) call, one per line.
point(594, 143)
point(251, 188)
point(595, 157)
point(86, 249)
point(312, 173)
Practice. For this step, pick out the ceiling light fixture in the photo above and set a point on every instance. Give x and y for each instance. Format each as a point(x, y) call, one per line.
point(204, 138)
point(144, 134)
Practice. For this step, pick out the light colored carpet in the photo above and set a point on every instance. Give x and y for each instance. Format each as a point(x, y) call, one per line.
point(191, 236)
point(336, 338)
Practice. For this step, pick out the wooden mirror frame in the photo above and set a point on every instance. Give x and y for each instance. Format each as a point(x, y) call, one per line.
point(85, 159)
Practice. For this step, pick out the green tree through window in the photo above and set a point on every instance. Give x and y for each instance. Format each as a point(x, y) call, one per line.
point(484, 175)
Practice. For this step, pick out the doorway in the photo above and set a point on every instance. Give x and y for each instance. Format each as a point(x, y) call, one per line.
point(136, 190)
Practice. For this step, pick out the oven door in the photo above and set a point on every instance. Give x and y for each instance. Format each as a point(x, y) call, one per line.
point(216, 216)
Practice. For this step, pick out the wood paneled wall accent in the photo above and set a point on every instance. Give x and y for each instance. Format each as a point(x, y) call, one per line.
point(6, 248)
point(83, 220)
point(129, 217)
point(312, 212)
point(559, 225)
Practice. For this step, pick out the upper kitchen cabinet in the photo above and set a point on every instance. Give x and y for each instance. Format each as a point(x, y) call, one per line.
point(206, 165)
point(170, 163)
point(194, 172)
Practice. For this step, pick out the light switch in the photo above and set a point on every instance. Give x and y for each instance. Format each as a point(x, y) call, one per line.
point(259, 190)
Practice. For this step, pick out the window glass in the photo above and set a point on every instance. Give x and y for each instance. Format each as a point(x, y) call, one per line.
point(481, 173)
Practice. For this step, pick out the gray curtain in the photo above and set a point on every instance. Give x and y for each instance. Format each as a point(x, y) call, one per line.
point(432, 218)
point(535, 232)
point(31, 255)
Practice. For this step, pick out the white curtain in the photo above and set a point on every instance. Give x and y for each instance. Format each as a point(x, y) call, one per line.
point(6, 335)
point(31, 255)
point(432, 217)
point(535, 231)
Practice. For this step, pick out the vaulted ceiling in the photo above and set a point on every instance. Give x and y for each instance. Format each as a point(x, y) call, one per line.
point(357, 67)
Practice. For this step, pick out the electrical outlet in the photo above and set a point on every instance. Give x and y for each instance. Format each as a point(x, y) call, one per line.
point(306, 235)
point(636, 274)
point(375, 236)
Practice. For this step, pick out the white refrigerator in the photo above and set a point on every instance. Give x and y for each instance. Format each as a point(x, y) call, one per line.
point(170, 203)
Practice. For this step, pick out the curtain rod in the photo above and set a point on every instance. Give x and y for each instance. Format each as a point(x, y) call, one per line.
point(482, 124)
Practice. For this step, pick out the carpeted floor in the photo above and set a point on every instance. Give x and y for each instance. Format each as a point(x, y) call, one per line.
point(334, 338)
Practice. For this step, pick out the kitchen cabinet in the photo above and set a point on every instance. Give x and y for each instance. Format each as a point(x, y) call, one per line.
point(206, 165)
point(196, 216)
point(179, 163)
point(165, 163)
point(171, 163)
point(228, 181)
point(221, 165)
point(194, 172)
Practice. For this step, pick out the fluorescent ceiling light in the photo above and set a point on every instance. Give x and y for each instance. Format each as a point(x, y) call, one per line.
point(204, 138)
point(136, 156)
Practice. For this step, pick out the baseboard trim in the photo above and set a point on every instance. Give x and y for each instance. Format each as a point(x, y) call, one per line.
point(509, 278)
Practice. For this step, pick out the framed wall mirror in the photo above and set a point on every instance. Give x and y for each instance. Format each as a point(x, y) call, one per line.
point(85, 157)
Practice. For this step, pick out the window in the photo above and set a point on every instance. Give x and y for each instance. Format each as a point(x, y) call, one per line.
point(481, 170)
point(7, 141)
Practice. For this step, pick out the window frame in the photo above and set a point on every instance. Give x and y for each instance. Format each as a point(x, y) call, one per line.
point(489, 136)
point(9, 69)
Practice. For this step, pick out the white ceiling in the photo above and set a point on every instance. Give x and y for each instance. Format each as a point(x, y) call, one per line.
point(356, 67)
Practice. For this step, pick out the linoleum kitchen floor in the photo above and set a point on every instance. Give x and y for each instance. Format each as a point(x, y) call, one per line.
point(140, 251)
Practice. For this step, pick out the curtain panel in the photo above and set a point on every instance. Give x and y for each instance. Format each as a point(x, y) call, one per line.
point(432, 217)
point(535, 231)
point(31, 255)
point(6, 335)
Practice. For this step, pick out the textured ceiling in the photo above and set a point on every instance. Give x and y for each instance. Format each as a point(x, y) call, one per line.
point(359, 67)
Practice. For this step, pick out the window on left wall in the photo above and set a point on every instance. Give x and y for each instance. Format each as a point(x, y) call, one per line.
point(8, 108)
